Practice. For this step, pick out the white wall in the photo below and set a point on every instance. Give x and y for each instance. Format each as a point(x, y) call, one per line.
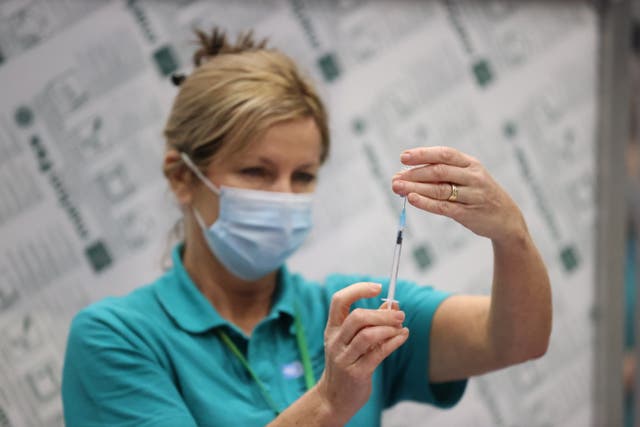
point(84, 211)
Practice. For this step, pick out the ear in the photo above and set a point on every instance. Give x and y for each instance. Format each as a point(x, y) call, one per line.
point(179, 176)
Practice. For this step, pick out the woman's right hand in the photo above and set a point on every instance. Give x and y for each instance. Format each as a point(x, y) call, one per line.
point(355, 344)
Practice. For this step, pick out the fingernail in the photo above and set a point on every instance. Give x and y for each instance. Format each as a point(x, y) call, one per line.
point(377, 285)
point(399, 315)
point(405, 156)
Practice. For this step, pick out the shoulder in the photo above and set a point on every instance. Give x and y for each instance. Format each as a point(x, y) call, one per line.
point(112, 310)
point(122, 319)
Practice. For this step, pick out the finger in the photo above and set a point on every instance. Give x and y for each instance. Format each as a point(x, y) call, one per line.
point(370, 360)
point(368, 339)
point(445, 155)
point(395, 306)
point(342, 300)
point(438, 207)
point(442, 191)
point(437, 173)
point(360, 319)
point(403, 170)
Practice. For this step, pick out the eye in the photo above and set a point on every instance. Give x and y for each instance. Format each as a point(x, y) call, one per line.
point(255, 172)
point(304, 177)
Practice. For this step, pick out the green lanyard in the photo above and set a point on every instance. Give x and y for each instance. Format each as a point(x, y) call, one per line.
point(304, 354)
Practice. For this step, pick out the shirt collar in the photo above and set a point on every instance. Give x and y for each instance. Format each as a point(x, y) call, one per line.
point(192, 311)
point(284, 300)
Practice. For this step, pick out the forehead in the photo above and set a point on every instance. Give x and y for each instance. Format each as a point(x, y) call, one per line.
point(295, 140)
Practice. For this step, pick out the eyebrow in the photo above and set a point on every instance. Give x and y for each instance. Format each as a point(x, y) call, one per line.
point(269, 162)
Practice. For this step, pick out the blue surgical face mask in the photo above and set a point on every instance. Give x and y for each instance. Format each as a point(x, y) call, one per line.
point(256, 231)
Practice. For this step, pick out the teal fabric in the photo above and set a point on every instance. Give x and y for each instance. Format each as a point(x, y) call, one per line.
point(630, 303)
point(630, 290)
point(153, 358)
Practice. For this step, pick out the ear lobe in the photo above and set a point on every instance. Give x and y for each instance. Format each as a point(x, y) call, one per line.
point(179, 176)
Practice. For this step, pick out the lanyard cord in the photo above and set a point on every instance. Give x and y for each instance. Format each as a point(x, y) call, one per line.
point(267, 397)
point(309, 379)
point(304, 354)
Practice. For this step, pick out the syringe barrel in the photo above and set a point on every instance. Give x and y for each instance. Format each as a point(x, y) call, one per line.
point(393, 277)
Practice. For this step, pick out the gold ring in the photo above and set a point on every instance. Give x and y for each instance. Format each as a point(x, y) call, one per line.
point(454, 193)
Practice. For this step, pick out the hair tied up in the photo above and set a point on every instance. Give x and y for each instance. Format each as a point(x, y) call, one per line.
point(216, 43)
point(177, 78)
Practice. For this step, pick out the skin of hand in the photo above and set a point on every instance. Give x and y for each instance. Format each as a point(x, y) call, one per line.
point(629, 371)
point(475, 334)
point(356, 343)
point(482, 205)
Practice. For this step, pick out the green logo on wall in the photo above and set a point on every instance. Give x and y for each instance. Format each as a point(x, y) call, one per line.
point(482, 72)
point(329, 67)
point(423, 257)
point(510, 129)
point(359, 126)
point(570, 259)
point(165, 60)
point(24, 116)
point(98, 256)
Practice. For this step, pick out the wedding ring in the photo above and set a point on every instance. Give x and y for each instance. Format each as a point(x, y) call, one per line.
point(454, 193)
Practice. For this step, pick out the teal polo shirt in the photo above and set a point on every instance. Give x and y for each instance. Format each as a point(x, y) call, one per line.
point(154, 357)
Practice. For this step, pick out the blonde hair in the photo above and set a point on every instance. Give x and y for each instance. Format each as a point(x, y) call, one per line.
point(234, 94)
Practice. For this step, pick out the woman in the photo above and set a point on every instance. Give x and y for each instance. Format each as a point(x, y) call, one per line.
point(228, 336)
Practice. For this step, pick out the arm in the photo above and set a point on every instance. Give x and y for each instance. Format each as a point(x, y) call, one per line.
point(311, 410)
point(472, 335)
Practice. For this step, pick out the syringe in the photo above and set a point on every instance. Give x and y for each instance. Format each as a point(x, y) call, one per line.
point(396, 258)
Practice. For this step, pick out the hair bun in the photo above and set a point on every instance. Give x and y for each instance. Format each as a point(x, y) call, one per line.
point(216, 43)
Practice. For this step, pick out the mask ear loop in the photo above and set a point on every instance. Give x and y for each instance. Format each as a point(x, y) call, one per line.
point(199, 174)
point(199, 219)
point(205, 181)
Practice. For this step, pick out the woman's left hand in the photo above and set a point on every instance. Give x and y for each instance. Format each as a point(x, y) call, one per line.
point(448, 182)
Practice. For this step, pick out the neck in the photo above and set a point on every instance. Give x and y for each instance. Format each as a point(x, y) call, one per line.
point(243, 303)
